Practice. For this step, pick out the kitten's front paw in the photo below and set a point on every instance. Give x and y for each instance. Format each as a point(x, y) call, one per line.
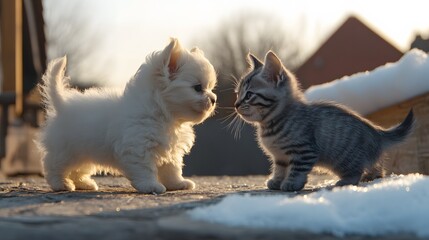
point(273, 184)
point(288, 186)
point(185, 184)
point(150, 188)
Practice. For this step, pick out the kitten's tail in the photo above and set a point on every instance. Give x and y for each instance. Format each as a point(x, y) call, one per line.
point(54, 84)
point(398, 134)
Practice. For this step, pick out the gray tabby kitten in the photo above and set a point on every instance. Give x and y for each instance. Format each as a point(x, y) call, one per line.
point(298, 135)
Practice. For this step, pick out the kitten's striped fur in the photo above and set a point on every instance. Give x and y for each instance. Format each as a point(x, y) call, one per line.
point(297, 135)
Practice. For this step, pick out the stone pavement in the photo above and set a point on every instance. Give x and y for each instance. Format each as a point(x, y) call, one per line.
point(29, 210)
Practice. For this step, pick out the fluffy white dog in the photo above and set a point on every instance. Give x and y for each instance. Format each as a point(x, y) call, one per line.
point(142, 132)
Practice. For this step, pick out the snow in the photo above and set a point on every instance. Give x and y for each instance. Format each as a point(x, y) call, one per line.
point(396, 204)
point(386, 85)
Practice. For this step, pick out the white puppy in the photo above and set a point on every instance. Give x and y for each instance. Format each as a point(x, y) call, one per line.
point(142, 132)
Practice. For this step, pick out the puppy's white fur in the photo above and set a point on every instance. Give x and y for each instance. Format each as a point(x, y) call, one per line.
point(142, 132)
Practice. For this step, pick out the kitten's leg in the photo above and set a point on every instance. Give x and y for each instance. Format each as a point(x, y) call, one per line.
point(376, 171)
point(350, 173)
point(82, 178)
point(349, 180)
point(171, 176)
point(142, 173)
point(279, 173)
point(301, 166)
point(55, 173)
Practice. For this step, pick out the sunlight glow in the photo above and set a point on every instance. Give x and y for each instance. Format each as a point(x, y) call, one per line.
point(134, 28)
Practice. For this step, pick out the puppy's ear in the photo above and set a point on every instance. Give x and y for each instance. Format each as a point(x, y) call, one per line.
point(197, 50)
point(172, 54)
point(254, 61)
point(273, 68)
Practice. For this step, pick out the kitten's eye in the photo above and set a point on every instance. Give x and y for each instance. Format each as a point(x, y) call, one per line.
point(248, 95)
point(198, 88)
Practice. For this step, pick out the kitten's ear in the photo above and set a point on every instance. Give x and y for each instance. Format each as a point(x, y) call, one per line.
point(254, 61)
point(171, 55)
point(273, 69)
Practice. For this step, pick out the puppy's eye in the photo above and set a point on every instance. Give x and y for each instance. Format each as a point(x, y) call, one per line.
point(198, 88)
point(249, 94)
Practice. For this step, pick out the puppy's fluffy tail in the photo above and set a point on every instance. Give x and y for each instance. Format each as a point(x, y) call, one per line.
point(54, 84)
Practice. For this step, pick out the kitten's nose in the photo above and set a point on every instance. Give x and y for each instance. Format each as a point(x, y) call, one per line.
point(213, 100)
point(236, 104)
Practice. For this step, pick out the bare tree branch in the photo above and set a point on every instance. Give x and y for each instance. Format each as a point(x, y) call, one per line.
point(228, 45)
point(70, 31)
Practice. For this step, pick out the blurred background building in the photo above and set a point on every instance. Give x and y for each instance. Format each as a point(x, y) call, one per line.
point(353, 47)
point(106, 41)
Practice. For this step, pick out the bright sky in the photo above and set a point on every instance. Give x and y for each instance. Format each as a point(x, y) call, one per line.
point(134, 28)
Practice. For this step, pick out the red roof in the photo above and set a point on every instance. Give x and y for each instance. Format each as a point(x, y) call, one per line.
point(352, 48)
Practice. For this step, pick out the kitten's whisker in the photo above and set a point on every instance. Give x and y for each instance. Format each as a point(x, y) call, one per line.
point(239, 128)
point(236, 125)
point(234, 121)
point(230, 125)
point(227, 117)
point(227, 89)
point(235, 80)
point(237, 132)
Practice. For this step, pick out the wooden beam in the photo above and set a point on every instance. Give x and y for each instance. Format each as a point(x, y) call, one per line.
point(11, 49)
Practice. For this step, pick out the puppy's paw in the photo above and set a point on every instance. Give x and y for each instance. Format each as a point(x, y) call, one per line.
point(273, 184)
point(185, 184)
point(188, 184)
point(150, 188)
point(62, 185)
point(292, 186)
point(86, 184)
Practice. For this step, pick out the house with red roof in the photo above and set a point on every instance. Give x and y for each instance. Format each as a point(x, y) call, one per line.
point(354, 47)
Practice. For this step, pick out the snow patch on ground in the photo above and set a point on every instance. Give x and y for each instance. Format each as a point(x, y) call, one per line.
point(397, 204)
point(387, 85)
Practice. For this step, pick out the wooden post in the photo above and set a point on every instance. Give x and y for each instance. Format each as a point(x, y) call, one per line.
point(421, 112)
point(11, 50)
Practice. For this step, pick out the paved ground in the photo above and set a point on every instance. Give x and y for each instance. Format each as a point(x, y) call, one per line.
point(29, 210)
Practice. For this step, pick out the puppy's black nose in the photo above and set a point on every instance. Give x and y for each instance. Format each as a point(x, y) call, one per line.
point(213, 100)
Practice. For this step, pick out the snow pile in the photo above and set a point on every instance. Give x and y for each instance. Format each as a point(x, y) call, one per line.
point(387, 85)
point(398, 204)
